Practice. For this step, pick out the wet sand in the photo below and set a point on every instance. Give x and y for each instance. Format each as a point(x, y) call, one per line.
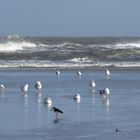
point(94, 117)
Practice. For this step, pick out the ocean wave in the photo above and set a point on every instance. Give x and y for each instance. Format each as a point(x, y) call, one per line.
point(15, 46)
point(127, 45)
point(115, 46)
point(82, 52)
point(15, 43)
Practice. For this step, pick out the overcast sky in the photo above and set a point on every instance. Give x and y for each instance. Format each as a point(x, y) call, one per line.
point(70, 17)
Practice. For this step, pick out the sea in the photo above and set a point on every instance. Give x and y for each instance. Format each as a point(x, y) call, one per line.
point(69, 52)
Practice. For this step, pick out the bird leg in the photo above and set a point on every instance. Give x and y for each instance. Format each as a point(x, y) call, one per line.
point(57, 114)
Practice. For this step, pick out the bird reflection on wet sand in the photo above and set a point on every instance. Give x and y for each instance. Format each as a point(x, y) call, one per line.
point(56, 120)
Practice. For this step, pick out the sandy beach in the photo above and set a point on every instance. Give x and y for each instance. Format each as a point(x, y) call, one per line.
point(93, 117)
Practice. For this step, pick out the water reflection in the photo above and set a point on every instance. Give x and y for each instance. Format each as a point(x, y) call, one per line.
point(2, 94)
point(56, 120)
point(77, 102)
point(39, 114)
point(26, 103)
point(26, 119)
point(58, 77)
point(108, 77)
point(106, 102)
point(38, 96)
point(48, 117)
point(25, 94)
point(93, 90)
point(93, 99)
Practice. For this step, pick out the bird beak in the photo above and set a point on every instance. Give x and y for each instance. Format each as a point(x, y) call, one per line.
point(52, 109)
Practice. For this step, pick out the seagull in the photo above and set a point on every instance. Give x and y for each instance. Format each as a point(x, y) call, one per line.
point(25, 88)
point(58, 72)
point(38, 85)
point(77, 96)
point(107, 72)
point(105, 91)
point(47, 101)
point(57, 111)
point(79, 73)
point(1, 87)
point(106, 102)
point(92, 84)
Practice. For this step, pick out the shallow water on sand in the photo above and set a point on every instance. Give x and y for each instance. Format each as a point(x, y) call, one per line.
point(94, 117)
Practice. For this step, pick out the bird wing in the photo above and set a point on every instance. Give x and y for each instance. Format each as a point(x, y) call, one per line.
point(58, 110)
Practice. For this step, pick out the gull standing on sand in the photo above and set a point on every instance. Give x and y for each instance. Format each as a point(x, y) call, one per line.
point(77, 96)
point(105, 91)
point(38, 85)
point(79, 73)
point(107, 72)
point(48, 101)
point(57, 72)
point(1, 87)
point(25, 88)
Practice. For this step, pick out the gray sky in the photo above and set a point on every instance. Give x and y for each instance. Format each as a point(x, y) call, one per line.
point(70, 17)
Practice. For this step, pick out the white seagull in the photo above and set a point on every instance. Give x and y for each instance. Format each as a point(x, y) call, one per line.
point(105, 91)
point(77, 96)
point(48, 101)
point(25, 88)
point(38, 85)
point(107, 72)
point(58, 72)
point(79, 73)
point(1, 87)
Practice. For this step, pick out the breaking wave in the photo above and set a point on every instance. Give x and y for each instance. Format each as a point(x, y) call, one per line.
point(15, 43)
point(127, 45)
point(16, 51)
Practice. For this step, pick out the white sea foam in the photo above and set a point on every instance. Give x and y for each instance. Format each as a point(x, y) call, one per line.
point(15, 43)
point(13, 37)
point(11, 46)
point(117, 46)
point(80, 60)
point(127, 45)
point(65, 46)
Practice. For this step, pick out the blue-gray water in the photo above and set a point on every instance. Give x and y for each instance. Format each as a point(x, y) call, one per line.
point(94, 117)
point(68, 52)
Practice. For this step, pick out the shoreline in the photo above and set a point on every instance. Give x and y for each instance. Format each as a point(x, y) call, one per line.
point(68, 65)
point(68, 68)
